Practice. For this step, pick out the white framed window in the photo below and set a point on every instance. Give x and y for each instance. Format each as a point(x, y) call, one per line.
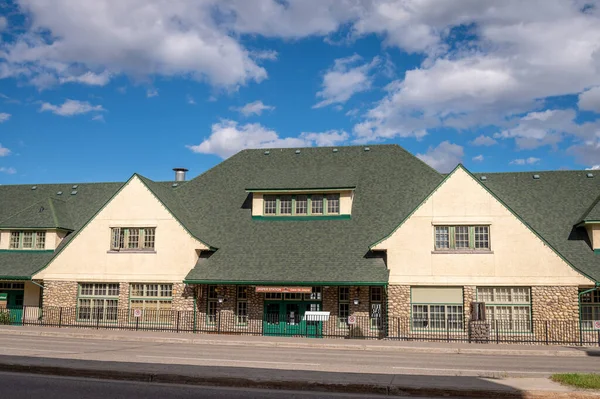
point(285, 205)
point(212, 297)
point(301, 204)
point(590, 308)
point(462, 238)
point(508, 308)
point(343, 304)
point(132, 238)
point(270, 202)
point(315, 295)
point(97, 301)
point(333, 203)
point(437, 308)
point(242, 304)
point(155, 300)
point(27, 239)
point(316, 204)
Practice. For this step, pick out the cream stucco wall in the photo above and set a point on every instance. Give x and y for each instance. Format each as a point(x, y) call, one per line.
point(594, 234)
point(88, 256)
point(346, 198)
point(517, 256)
point(31, 296)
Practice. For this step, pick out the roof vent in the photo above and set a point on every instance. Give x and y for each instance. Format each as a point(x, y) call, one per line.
point(367, 149)
point(74, 192)
point(589, 175)
point(536, 177)
point(335, 150)
point(174, 185)
point(297, 151)
point(267, 152)
point(483, 178)
point(59, 193)
point(75, 187)
point(180, 174)
point(34, 187)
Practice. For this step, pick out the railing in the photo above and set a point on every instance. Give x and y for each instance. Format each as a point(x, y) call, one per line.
point(547, 332)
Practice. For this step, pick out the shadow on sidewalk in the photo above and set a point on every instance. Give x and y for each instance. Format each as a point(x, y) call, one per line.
point(242, 377)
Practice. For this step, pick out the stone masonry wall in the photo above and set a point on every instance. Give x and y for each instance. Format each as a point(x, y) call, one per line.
point(555, 303)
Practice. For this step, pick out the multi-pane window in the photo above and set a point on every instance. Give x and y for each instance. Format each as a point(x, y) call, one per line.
point(285, 205)
point(242, 304)
point(153, 299)
point(301, 204)
point(270, 204)
point(333, 203)
point(437, 308)
point(590, 308)
point(376, 297)
point(316, 204)
point(27, 239)
point(97, 301)
point(462, 238)
point(211, 305)
point(507, 308)
point(343, 304)
point(5, 285)
point(132, 238)
point(315, 295)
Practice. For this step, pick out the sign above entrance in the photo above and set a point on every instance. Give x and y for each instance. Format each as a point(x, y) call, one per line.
point(285, 290)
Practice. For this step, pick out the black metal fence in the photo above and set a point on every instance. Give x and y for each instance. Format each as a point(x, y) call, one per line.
point(548, 332)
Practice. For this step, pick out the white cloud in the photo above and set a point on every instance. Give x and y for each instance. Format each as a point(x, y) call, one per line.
point(151, 93)
point(523, 161)
point(256, 107)
point(228, 138)
point(589, 100)
point(4, 151)
point(4, 117)
point(444, 157)
point(3, 23)
point(8, 171)
point(267, 55)
point(98, 118)
point(138, 38)
point(89, 78)
point(540, 128)
point(593, 167)
point(343, 81)
point(478, 158)
point(190, 100)
point(71, 107)
point(483, 140)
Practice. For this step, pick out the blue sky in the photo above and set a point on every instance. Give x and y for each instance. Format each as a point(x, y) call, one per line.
point(95, 91)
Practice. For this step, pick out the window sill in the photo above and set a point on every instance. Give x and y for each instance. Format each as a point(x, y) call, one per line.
point(128, 251)
point(463, 251)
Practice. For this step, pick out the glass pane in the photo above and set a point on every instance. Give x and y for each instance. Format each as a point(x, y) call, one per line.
point(100, 289)
point(27, 239)
point(376, 294)
point(461, 237)
point(14, 239)
point(442, 237)
point(317, 204)
point(134, 239)
point(166, 290)
point(270, 204)
point(333, 203)
point(149, 238)
point(242, 292)
point(285, 205)
point(40, 240)
point(482, 237)
point(420, 316)
point(344, 293)
point(301, 204)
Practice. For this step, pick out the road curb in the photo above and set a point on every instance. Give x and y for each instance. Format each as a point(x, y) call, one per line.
point(381, 389)
point(280, 344)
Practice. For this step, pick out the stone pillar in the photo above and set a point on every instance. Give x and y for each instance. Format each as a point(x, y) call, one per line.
point(59, 294)
point(332, 327)
point(555, 313)
point(469, 295)
point(398, 309)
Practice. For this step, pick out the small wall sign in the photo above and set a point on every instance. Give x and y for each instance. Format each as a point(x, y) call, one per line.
point(597, 325)
point(351, 319)
point(137, 313)
point(284, 290)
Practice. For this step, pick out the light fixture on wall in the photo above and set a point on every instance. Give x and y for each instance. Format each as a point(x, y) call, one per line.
point(221, 299)
point(356, 301)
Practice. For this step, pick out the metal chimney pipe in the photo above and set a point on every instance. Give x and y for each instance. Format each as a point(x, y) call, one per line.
point(180, 174)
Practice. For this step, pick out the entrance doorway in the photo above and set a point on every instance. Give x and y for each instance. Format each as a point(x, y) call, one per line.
point(286, 318)
point(14, 304)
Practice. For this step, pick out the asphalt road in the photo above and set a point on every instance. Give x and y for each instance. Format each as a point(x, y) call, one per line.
point(294, 358)
point(26, 386)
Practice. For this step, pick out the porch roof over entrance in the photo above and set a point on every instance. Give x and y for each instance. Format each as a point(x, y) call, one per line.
point(21, 265)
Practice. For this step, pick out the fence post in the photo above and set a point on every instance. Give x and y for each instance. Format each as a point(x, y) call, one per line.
point(598, 337)
point(448, 330)
point(497, 336)
point(23, 315)
point(60, 317)
point(178, 321)
point(97, 318)
point(219, 322)
point(137, 323)
point(546, 332)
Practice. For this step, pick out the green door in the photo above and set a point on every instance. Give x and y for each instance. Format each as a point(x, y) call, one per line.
point(15, 305)
point(286, 318)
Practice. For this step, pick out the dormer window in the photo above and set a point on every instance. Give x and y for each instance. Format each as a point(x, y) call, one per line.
point(301, 205)
point(27, 240)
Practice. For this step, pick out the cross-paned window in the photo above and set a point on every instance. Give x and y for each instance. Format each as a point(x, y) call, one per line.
point(301, 204)
point(462, 238)
point(242, 304)
point(507, 308)
point(97, 301)
point(285, 205)
point(211, 305)
point(316, 204)
point(343, 304)
point(133, 238)
point(590, 308)
point(155, 300)
point(333, 203)
point(442, 237)
point(27, 239)
point(270, 204)
point(376, 299)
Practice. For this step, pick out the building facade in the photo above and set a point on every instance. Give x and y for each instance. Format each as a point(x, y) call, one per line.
point(313, 241)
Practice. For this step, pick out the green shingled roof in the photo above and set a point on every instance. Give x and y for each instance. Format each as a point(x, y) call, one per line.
point(42, 207)
point(552, 206)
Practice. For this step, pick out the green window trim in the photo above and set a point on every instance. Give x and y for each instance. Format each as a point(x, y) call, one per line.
point(460, 322)
point(513, 304)
point(105, 298)
point(593, 305)
point(143, 299)
point(38, 240)
point(452, 238)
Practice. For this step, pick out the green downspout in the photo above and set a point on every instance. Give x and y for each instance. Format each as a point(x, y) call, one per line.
point(579, 302)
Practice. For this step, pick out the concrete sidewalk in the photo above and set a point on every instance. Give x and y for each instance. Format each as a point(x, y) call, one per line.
point(295, 342)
